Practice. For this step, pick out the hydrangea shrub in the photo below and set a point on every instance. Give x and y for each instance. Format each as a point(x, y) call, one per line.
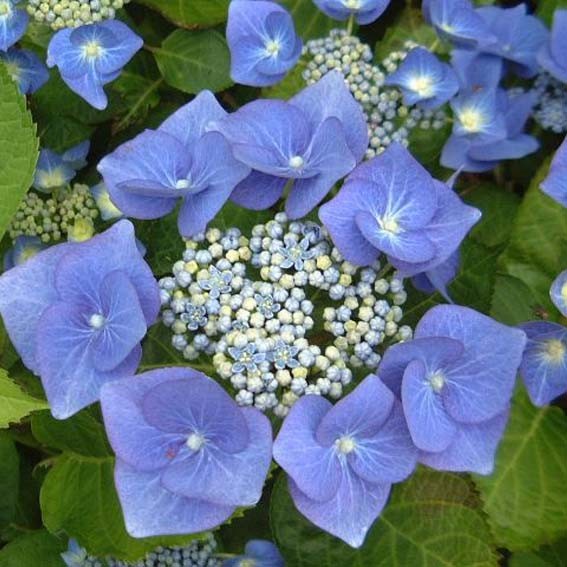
point(283, 283)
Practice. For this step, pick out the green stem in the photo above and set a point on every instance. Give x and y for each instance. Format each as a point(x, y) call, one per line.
point(350, 25)
point(434, 45)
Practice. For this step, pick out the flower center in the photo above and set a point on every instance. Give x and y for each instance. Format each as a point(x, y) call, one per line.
point(352, 4)
point(273, 47)
point(247, 563)
point(437, 381)
point(183, 184)
point(564, 292)
point(555, 350)
point(51, 179)
point(422, 85)
point(389, 224)
point(296, 162)
point(345, 444)
point(5, 9)
point(92, 49)
point(471, 120)
point(447, 28)
point(195, 441)
point(13, 69)
point(97, 321)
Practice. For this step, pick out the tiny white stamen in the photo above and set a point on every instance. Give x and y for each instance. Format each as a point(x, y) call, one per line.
point(471, 120)
point(422, 85)
point(296, 162)
point(352, 4)
point(183, 184)
point(345, 444)
point(437, 381)
point(97, 321)
point(554, 351)
point(195, 441)
point(273, 47)
point(389, 224)
point(564, 292)
point(92, 49)
point(5, 9)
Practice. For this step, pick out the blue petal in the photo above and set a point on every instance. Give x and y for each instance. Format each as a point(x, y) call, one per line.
point(90, 87)
point(349, 514)
point(76, 156)
point(430, 427)
point(225, 478)
point(151, 510)
point(558, 292)
point(13, 27)
point(264, 551)
point(314, 468)
point(259, 191)
point(555, 184)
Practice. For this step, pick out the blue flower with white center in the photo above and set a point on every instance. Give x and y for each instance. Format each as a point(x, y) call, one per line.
point(26, 68)
point(76, 314)
point(455, 381)
point(25, 248)
point(478, 149)
point(544, 364)
point(558, 293)
point(283, 355)
point(518, 37)
point(314, 139)
point(341, 460)
point(13, 23)
point(553, 55)
point(391, 204)
point(108, 210)
point(217, 283)
point(195, 316)
point(266, 305)
point(257, 553)
point(55, 170)
point(424, 80)
point(181, 160)
point(364, 11)
point(189, 456)
point(555, 184)
point(262, 41)
point(75, 556)
point(246, 358)
point(90, 56)
point(457, 21)
point(295, 253)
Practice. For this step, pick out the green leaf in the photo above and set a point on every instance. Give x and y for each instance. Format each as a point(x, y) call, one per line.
point(9, 479)
point(431, 520)
point(18, 149)
point(78, 497)
point(291, 85)
point(81, 434)
point(512, 301)
point(545, 10)
point(309, 21)
point(525, 497)
point(194, 61)
point(15, 404)
point(189, 13)
point(34, 549)
point(536, 253)
point(549, 556)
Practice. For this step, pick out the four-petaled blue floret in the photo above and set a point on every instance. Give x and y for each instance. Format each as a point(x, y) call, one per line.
point(26, 68)
point(13, 23)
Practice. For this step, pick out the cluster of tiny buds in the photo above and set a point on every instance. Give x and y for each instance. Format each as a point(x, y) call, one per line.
point(248, 305)
point(199, 553)
point(389, 120)
point(550, 111)
point(61, 14)
point(65, 213)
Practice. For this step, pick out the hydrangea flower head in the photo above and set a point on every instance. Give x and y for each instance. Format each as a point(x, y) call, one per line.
point(499, 137)
point(55, 170)
point(181, 160)
point(90, 56)
point(76, 314)
point(25, 248)
point(315, 139)
point(553, 55)
point(457, 21)
point(262, 41)
point(26, 68)
point(364, 11)
point(424, 80)
point(13, 23)
point(391, 204)
point(257, 553)
point(341, 460)
point(519, 37)
point(558, 293)
point(544, 365)
point(455, 381)
point(187, 455)
point(555, 184)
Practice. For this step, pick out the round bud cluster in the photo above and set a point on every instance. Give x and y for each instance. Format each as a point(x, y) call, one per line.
point(280, 314)
point(389, 120)
point(550, 111)
point(200, 553)
point(67, 213)
point(61, 14)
